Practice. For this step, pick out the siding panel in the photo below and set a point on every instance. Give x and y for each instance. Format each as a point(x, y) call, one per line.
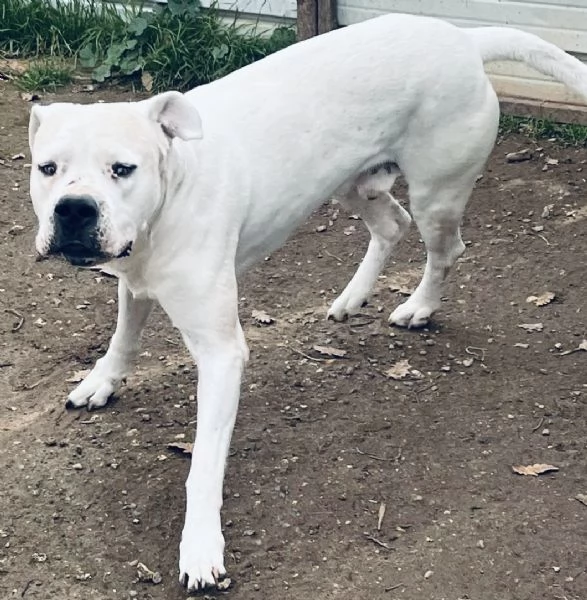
point(557, 21)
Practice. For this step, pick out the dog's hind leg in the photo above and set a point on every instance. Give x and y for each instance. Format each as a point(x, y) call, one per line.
point(441, 162)
point(439, 224)
point(387, 222)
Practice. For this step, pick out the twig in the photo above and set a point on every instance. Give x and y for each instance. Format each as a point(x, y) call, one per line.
point(475, 354)
point(539, 424)
point(305, 355)
point(333, 256)
point(26, 587)
point(16, 327)
point(172, 342)
point(394, 587)
point(6, 364)
point(378, 542)
point(382, 458)
point(543, 239)
point(33, 385)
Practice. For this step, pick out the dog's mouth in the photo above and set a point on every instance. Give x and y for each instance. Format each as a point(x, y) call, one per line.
point(81, 255)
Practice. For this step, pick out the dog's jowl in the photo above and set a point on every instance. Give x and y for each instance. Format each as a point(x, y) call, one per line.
point(178, 194)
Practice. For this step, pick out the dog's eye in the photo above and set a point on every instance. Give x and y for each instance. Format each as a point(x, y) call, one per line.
point(48, 169)
point(122, 169)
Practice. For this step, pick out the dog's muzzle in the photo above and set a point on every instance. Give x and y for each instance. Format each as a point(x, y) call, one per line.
point(76, 234)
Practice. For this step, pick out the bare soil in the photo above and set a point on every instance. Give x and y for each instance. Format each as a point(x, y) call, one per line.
point(321, 443)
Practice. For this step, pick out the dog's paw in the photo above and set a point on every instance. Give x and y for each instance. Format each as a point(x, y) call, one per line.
point(345, 306)
point(95, 390)
point(201, 562)
point(412, 314)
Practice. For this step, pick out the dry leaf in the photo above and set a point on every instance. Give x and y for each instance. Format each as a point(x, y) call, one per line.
point(145, 574)
point(262, 318)
point(543, 299)
point(400, 370)
point(531, 326)
point(29, 97)
point(534, 470)
point(181, 447)
point(147, 81)
point(582, 498)
point(519, 156)
point(330, 351)
point(78, 376)
point(581, 346)
point(381, 515)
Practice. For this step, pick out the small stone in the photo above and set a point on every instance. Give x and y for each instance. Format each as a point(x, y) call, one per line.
point(546, 431)
point(77, 466)
point(480, 544)
point(428, 574)
point(321, 228)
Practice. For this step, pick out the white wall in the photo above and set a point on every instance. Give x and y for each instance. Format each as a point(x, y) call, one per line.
point(561, 22)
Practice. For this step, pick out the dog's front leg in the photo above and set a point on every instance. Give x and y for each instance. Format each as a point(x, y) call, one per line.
point(110, 370)
point(220, 353)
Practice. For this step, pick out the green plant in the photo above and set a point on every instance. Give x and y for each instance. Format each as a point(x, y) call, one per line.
point(45, 75)
point(57, 27)
point(180, 46)
point(565, 133)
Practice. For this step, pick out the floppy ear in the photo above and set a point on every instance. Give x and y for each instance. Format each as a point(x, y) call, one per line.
point(177, 116)
point(34, 123)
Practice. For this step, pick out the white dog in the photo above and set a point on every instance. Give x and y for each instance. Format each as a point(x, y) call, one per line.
point(178, 194)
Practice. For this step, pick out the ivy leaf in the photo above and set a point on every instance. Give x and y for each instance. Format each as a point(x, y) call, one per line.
point(138, 25)
point(87, 57)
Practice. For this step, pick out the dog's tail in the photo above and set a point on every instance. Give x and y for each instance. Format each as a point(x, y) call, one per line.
point(504, 43)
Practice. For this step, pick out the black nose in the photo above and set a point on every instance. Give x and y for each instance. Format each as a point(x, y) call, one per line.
point(76, 212)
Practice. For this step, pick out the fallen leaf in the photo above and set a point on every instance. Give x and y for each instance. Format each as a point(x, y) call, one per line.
point(262, 318)
point(381, 515)
point(224, 584)
point(519, 156)
point(401, 369)
point(543, 299)
point(330, 351)
point(531, 326)
point(581, 346)
point(181, 447)
point(145, 574)
point(534, 470)
point(147, 81)
point(30, 97)
point(582, 498)
point(78, 376)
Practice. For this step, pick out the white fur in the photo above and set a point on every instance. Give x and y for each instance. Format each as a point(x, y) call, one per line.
point(340, 114)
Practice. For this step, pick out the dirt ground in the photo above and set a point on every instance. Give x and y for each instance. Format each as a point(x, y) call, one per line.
point(321, 443)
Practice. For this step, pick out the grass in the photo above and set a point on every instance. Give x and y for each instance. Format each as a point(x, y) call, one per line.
point(32, 28)
point(178, 44)
point(46, 75)
point(564, 133)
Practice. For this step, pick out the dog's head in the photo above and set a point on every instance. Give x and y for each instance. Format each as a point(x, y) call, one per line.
point(97, 172)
